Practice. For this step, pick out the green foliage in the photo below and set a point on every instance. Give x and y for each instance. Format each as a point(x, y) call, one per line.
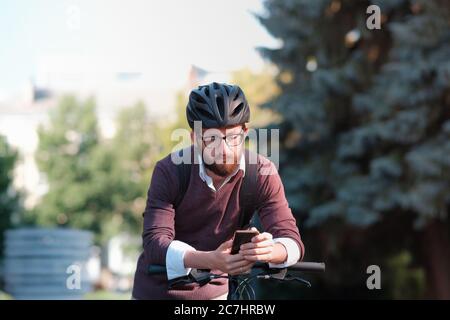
point(4, 296)
point(169, 131)
point(372, 119)
point(9, 199)
point(259, 87)
point(95, 184)
point(406, 282)
point(365, 130)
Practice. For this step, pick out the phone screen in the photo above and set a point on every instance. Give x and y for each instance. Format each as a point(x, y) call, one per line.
point(241, 237)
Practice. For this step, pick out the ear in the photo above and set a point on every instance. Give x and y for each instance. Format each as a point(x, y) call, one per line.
point(192, 136)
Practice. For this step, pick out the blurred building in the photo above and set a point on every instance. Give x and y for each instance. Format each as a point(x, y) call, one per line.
point(198, 76)
point(122, 253)
point(21, 115)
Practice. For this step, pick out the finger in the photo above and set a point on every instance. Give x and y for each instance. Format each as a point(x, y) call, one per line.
point(246, 269)
point(262, 244)
point(256, 251)
point(261, 257)
point(232, 258)
point(241, 269)
point(227, 244)
point(261, 237)
point(239, 264)
point(248, 266)
point(236, 264)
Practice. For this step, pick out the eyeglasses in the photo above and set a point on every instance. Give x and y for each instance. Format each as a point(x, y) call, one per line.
point(232, 140)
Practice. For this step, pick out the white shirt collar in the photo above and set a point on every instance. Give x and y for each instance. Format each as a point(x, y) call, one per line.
point(208, 180)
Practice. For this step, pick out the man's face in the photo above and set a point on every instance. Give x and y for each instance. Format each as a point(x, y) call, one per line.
point(220, 156)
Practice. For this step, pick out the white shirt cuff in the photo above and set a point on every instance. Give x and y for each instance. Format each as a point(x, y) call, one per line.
point(175, 259)
point(293, 253)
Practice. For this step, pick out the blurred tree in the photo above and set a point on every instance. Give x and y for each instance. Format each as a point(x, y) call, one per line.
point(258, 87)
point(179, 124)
point(67, 146)
point(366, 127)
point(95, 184)
point(137, 145)
point(404, 282)
point(9, 198)
point(180, 111)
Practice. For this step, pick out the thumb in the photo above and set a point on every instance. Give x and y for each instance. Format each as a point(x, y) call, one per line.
point(226, 245)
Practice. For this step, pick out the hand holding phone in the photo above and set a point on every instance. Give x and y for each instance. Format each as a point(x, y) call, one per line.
point(241, 237)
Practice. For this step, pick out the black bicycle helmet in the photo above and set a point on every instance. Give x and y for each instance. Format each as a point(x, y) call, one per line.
point(217, 105)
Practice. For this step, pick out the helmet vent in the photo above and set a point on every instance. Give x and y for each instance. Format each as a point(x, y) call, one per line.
point(220, 106)
point(238, 109)
point(198, 98)
point(204, 113)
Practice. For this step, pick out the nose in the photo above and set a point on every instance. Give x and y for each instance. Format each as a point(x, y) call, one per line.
point(224, 146)
point(223, 150)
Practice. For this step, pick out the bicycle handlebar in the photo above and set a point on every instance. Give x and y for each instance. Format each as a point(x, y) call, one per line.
point(299, 266)
point(308, 267)
point(203, 276)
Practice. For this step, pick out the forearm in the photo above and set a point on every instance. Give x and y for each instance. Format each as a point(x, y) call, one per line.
point(199, 259)
point(279, 254)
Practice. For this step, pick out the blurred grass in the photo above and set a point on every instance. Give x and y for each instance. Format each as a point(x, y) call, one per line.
point(4, 296)
point(107, 295)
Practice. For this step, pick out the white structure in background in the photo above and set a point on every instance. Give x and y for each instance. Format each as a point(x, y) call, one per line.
point(198, 76)
point(122, 254)
point(93, 265)
point(20, 118)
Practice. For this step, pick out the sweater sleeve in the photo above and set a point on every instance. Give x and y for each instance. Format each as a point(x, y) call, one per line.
point(273, 209)
point(159, 215)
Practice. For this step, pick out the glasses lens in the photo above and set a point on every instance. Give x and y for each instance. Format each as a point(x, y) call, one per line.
point(234, 139)
point(209, 140)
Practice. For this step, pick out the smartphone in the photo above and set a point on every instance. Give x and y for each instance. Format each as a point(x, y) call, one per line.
point(241, 237)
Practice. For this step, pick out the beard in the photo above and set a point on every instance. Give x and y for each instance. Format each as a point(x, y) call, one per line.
point(223, 169)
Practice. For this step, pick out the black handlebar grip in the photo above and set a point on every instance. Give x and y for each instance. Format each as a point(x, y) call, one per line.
point(308, 267)
point(156, 269)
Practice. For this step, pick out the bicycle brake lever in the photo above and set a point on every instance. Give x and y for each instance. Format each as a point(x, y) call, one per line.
point(180, 281)
point(195, 276)
point(278, 274)
point(201, 276)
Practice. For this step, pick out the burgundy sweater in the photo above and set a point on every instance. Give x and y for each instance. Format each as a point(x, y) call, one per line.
point(204, 219)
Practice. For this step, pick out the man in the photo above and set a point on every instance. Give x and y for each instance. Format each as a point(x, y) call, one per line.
point(197, 233)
